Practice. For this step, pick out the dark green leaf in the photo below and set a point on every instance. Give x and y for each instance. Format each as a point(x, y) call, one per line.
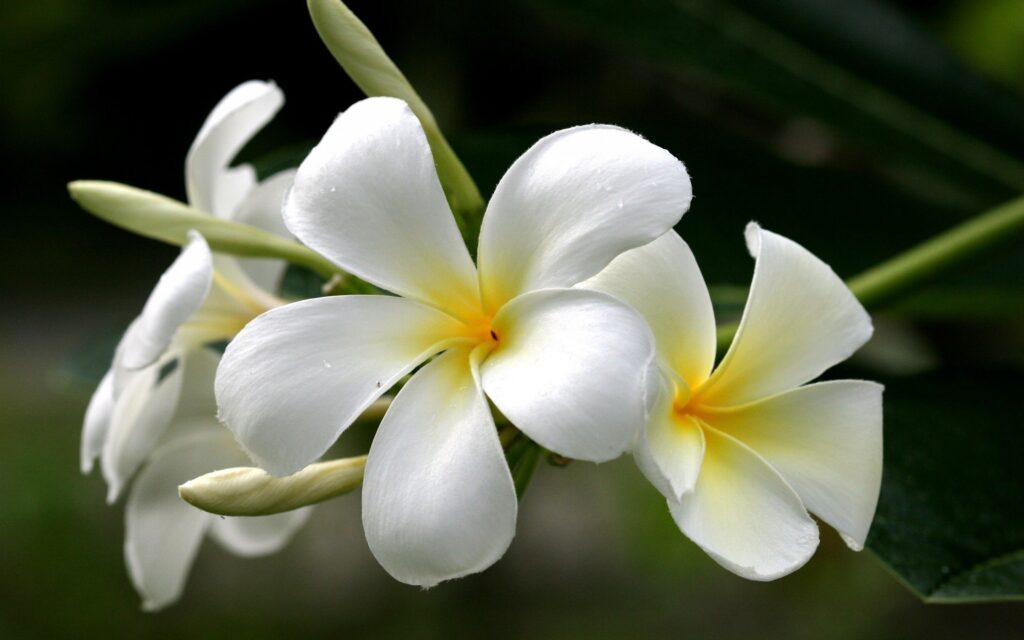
point(950, 521)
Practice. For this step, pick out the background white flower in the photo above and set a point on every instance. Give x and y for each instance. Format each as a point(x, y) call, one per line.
point(163, 532)
point(744, 452)
point(154, 408)
point(201, 298)
point(566, 366)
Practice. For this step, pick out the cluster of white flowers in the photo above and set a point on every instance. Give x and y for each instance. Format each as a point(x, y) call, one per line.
point(584, 320)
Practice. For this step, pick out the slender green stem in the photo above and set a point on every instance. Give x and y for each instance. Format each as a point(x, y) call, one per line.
point(923, 263)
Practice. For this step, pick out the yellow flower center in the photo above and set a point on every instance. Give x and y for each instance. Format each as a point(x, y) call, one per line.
point(686, 405)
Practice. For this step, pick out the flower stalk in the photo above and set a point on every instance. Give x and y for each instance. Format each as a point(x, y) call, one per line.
point(921, 264)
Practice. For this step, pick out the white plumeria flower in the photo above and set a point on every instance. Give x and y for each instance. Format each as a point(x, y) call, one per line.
point(154, 409)
point(163, 532)
point(200, 299)
point(742, 453)
point(566, 366)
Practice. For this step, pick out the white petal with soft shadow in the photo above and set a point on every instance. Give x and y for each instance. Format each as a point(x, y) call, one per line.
point(368, 198)
point(179, 293)
point(262, 208)
point(259, 536)
point(571, 370)
point(826, 441)
point(97, 421)
point(662, 281)
point(670, 449)
point(254, 536)
point(212, 184)
point(144, 409)
point(298, 375)
point(163, 531)
point(571, 203)
point(744, 515)
point(438, 499)
point(800, 319)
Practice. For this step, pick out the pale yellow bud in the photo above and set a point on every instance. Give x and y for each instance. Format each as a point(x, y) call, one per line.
point(249, 491)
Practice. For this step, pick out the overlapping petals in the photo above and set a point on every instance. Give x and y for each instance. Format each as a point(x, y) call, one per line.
point(826, 441)
point(163, 532)
point(744, 514)
point(569, 205)
point(571, 371)
point(153, 417)
point(744, 453)
point(673, 299)
point(179, 293)
point(570, 368)
point(299, 375)
point(211, 183)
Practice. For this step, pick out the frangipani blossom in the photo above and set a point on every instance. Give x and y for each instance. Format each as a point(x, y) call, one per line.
point(162, 532)
point(154, 408)
point(201, 298)
point(744, 452)
point(566, 366)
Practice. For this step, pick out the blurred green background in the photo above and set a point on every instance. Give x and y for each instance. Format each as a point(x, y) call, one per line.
point(857, 128)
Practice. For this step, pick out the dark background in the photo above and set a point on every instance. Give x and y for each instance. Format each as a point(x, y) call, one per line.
point(116, 90)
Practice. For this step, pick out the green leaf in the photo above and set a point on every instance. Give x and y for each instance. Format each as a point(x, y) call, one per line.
point(950, 520)
point(161, 218)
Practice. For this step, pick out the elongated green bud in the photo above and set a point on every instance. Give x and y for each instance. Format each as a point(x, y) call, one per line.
point(249, 491)
point(155, 216)
point(365, 61)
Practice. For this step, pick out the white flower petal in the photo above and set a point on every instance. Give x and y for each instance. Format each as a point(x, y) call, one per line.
point(368, 198)
point(826, 441)
point(163, 532)
point(259, 536)
point(298, 375)
point(800, 319)
point(438, 499)
point(571, 203)
point(661, 280)
point(570, 370)
point(144, 409)
point(196, 398)
point(262, 208)
point(228, 307)
point(669, 451)
point(212, 186)
point(178, 294)
point(744, 515)
point(97, 421)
